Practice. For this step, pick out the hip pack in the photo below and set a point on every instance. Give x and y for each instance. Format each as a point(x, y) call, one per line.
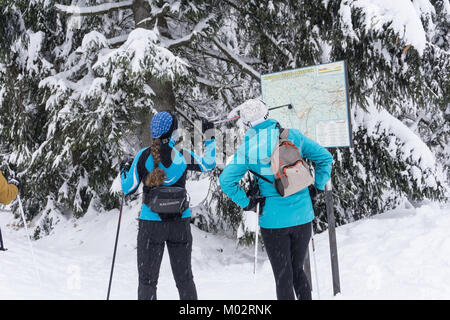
point(167, 202)
point(290, 170)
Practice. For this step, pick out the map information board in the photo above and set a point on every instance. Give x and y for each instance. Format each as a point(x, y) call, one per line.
point(313, 100)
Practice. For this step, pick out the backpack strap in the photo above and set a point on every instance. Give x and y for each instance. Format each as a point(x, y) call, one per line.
point(284, 133)
point(260, 176)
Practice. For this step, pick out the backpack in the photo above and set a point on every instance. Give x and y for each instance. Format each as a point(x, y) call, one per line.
point(290, 170)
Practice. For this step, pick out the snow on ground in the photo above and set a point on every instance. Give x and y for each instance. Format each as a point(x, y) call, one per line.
point(401, 254)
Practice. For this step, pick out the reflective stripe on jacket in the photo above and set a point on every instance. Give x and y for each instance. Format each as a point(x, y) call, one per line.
point(174, 164)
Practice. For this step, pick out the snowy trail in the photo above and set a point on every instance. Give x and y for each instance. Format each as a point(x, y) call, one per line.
point(402, 254)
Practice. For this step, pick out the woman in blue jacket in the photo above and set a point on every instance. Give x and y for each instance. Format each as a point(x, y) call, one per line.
point(158, 167)
point(286, 223)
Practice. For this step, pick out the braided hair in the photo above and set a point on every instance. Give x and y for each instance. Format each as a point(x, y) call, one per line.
point(156, 177)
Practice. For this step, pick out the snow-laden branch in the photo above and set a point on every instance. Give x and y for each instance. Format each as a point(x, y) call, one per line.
point(117, 41)
point(156, 13)
point(276, 43)
point(176, 43)
point(234, 5)
point(220, 56)
point(438, 48)
point(237, 60)
point(94, 10)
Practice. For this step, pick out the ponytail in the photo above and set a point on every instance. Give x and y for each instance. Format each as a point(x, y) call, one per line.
point(156, 177)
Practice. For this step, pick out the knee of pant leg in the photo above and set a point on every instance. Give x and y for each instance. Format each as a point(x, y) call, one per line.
point(183, 278)
point(147, 281)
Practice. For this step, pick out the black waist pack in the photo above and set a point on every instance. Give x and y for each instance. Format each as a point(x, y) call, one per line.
point(167, 202)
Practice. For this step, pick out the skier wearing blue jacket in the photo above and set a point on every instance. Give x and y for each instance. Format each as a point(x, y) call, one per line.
point(165, 214)
point(286, 223)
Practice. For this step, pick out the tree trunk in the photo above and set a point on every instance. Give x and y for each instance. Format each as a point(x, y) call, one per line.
point(164, 99)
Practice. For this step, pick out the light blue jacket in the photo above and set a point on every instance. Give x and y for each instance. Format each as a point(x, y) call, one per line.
point(254, 154)
point(175, 173)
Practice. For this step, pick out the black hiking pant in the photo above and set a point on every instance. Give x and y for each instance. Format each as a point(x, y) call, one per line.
point(287, 248)
point(152, 237)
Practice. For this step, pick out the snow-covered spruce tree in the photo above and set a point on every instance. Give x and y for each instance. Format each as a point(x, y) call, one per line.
point(218, 80)
point(101, 69)
point(110, 83)
point(28, 33)
point(435, 127)
point(388, 57)
point(224, 78)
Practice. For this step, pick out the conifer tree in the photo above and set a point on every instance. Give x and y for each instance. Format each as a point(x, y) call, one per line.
point(396, 102)
point(81, 79)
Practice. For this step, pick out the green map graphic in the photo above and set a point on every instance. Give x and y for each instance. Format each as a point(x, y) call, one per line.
point(318, 96)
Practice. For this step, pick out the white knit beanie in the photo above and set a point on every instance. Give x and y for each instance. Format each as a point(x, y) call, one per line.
point(252, 112)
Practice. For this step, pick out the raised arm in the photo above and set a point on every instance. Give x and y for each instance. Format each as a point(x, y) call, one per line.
point(205, 163)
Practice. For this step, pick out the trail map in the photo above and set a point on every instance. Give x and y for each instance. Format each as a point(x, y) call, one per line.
point(313, 100)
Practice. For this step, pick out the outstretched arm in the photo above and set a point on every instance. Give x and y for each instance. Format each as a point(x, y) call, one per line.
point(202, 164)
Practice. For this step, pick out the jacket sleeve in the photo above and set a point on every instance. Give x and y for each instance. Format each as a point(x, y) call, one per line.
point(202, 164)
point(229, 181)
point(8, 192)
point(131, 179)
point(316, 153)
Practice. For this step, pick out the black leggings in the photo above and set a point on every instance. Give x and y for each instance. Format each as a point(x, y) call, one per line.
point(152, 237)
point(287, 248)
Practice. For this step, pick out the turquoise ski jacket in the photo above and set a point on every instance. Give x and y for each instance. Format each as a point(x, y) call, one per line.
point(254, 154)
point(174, 163)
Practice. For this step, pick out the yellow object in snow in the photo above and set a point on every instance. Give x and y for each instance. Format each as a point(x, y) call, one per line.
point(8, 192)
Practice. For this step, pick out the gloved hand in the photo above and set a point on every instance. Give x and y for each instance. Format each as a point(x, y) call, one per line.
point(16, 182)
point(254, 200)
point(125, 165)
point(313, 193)
point(206, 125)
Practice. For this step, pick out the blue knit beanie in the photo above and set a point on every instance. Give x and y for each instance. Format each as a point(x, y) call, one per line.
point(161, 124)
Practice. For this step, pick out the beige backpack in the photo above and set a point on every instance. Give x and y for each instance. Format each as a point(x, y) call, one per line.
point(290, 170)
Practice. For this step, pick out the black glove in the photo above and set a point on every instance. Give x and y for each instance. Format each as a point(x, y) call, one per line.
point(313, 192)
point(206, 125)
point(125, 165)
point(16, 182)
point(254, 200)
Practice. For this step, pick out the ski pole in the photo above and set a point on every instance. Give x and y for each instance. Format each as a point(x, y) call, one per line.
point(256, 239)
point(237, 117)
point(115, 246)
point(29, 239)
point(315, 265)
point(226, 120)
